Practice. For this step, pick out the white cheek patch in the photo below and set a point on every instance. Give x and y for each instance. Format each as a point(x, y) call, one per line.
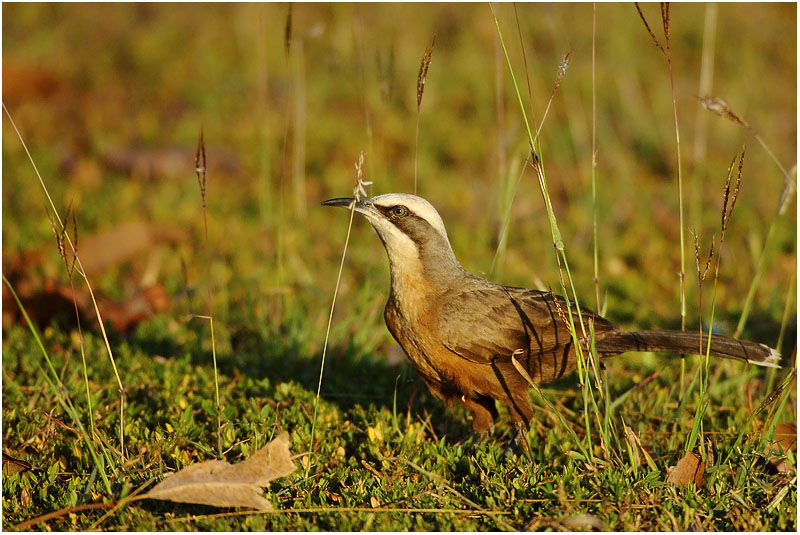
point(417, 205)
point(399, 246)
point(405, 267)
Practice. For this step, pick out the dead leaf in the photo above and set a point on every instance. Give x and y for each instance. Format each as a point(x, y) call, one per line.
point(582, 522)
point(87, 174)
point(636, 446)
point(146, 164)
point(25, 498)
point(123, 243)
point(57, 300)
point(45, 299)
point(786, 437)
point(23, 81)
point(222, 484)
point(785, 441)
point(143, 304)
point(630, 436)
point(12, 465)
point(688, 470)
point(42, 305)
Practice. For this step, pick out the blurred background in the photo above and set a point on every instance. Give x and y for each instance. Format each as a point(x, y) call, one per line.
point(111, 100)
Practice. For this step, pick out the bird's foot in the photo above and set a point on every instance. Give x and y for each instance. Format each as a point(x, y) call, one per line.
point(519, 445)
point(481, 439)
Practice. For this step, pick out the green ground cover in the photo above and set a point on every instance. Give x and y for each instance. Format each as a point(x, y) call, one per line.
point(110, 101)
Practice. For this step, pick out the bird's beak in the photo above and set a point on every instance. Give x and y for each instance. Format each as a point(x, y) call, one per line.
point(363, 206)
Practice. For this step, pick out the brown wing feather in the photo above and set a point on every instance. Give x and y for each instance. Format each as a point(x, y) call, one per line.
point(488, 324)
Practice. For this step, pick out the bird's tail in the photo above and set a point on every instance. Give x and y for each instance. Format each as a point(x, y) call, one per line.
point(688, 343)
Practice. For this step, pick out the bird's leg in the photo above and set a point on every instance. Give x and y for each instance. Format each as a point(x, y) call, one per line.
point(479, 440)
point(522, 437)
point(520, 441)
point(483, 414)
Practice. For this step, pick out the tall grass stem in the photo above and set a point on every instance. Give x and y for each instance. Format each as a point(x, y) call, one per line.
point(328, 327)
point(595, 241)
point(60, 390)
point(82, 272)
point(201, 170)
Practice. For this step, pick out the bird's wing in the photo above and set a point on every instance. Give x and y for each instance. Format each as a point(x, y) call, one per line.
point(484, 324)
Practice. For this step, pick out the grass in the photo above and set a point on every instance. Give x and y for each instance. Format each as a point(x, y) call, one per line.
point(386, 454)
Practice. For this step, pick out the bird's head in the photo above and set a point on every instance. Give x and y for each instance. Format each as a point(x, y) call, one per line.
point(410, 228)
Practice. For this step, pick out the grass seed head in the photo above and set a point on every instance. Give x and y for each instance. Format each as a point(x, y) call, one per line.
point(200, 166)
point(787, 193)
point(287, 32)
point(649, 30)
point(720, 107)
point(360, 190)
point(71, 212)
point(563, 65)
point(559, 308)
point(665, 20)
point(59, 238)
point(729, 197)
point(701, 273)
point(423, 71)
point(62, 238)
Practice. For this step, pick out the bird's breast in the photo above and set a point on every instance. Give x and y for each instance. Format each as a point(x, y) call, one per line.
point(412, 317)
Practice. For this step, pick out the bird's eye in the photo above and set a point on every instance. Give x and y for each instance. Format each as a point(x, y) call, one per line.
point(399, 211)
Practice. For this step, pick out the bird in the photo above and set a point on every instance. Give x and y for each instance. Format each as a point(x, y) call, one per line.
point(461, 331)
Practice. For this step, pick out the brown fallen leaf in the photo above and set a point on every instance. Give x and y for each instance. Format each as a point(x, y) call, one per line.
point(786, 437)
point(146, 164)
point(123, 243)
point(222, 484)
point(633, 443)
point(689, 469)
point(633, 438)
point(23, 81)
point(54, 300)
point(12, 465)
point(785, 441)
point(143, 304)
point(582, 522)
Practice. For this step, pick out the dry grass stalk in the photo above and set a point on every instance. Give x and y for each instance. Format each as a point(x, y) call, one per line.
point(595, 236)
point(359, 191)
point(287, 31)
point(559, 309)
point(563, 65)
point(422, 77)
point(524, 58)
point(701, 273)
point(701, 277)
point(665, 24)
point(729, 196)
point(200, 169)
point(787, 193)
point(665, 20)
point(705, 83)
point(82, 272)
point(503, 234)
point(720, 107)
point(586, 339)
point(69, 263)
point(665, 50)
